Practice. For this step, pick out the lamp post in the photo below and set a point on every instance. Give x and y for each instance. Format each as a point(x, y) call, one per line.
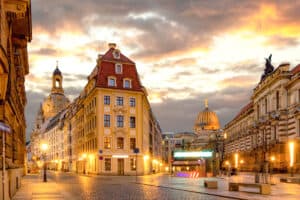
point(272, 159)
point(84, 156)
point(292, 154)
point(44, 148)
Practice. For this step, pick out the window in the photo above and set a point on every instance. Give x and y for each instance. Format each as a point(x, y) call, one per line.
point(106, 100)
point(132, 143)
point(119, 101)
point(132, 122)
point(266, 105)
point(116, 54)
point(112, 82)
point(106, 120)
point(132, 102)
point(277, 100)
point(133, 164)
point(118, 68)
point(127, 83)
point(107, 164)
point(107, 143)
point(120, 143)
point(299, 96)
point(120, 121)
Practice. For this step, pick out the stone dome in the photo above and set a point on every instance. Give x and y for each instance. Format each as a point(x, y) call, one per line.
point(207, 120)
point(53, 104)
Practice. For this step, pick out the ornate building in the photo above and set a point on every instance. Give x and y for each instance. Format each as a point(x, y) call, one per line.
point(15, 33)
point(47, 119)
point(259, 135)
point(206, 127)
point(112, 118)
point(56, 101)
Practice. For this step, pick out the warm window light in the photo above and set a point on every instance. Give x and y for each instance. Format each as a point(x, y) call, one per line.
point(225, 135)
point(84, 155)
point(146, 157)
point(242, 161)
point(167, 169)
point(160, 164)
point(272, 158)
point(227, 162)
point(120, 156)
point(292, 148)
point(44, 147)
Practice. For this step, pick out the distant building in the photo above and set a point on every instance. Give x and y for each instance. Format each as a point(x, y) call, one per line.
point(261, 132)
point(50, 126)
point(15, 33)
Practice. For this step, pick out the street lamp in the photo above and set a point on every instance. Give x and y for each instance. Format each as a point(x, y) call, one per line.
point(292, 152)
point(272, 158)
point(84, 156)
point(44, 148)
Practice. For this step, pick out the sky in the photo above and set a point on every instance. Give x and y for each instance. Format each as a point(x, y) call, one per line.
point(185, 51)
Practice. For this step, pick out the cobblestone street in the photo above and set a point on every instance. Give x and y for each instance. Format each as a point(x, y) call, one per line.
point(72, 186)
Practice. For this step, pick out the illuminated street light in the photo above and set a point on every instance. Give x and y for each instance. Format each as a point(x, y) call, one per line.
point(44, 148)
point(272, 158)
point(292, 154)
point(236, 158)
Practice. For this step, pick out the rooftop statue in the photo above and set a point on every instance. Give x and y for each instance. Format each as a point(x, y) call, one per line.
point(269, 68)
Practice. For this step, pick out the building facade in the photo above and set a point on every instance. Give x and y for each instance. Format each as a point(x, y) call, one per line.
point(108, 129)
point(15, 33)
point(114, 130)
point(260, 135)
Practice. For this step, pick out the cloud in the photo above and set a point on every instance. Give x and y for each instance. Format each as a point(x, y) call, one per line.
point(179, 115)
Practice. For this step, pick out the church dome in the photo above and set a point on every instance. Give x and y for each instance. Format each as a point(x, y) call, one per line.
point(207, 120)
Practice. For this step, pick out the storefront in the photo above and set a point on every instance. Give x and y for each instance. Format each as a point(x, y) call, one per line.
point(191, 164)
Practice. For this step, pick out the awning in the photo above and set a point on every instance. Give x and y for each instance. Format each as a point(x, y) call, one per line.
point(4, 127)
point(186, 163)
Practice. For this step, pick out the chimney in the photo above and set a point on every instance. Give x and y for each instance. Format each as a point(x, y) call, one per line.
point(112, 45)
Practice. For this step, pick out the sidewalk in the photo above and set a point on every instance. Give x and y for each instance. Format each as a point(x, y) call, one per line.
point(279, 191)
point(33, 187)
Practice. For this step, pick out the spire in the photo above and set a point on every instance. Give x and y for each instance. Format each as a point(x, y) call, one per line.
point(57, 64)
point(206, 103)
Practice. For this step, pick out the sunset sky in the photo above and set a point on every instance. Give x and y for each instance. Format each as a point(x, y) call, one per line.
point(185, 50)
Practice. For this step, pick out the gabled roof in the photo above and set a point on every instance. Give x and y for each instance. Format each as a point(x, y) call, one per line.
point(108, 56)
point(106, 69)
point(296, 69)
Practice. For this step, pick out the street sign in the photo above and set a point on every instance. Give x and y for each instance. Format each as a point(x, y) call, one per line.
point(100, 157)
point(136, 150)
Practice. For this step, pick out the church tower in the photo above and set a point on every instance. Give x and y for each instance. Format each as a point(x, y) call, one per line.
point(56, 101)
point(57, 80)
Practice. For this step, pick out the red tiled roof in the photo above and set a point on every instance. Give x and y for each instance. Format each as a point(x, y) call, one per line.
point(107, 68)
point(108, 56)
point(296, 69)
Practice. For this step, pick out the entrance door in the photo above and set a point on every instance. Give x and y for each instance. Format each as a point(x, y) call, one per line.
point(120, 166)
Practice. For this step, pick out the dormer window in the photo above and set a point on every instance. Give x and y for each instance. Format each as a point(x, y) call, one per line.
point(118, 68)
point(116, 54)
point(112, 81)
point(127, 83)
